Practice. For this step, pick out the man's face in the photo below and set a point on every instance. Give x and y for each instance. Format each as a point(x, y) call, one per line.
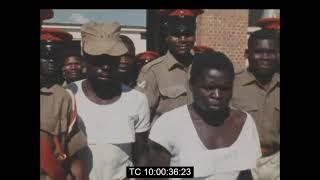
point(103, 68)
point(127, 61)
point(212, 90)
point(263, 57)
point(72, 68)
point(180, 43)
point(49, 60)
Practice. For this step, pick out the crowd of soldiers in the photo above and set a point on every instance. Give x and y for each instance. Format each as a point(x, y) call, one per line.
point(107, 108)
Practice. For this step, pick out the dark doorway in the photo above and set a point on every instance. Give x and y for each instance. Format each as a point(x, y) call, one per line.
point(155, 35)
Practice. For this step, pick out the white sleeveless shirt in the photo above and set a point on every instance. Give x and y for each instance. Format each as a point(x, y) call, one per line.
point(175, 131)
point(111, 129)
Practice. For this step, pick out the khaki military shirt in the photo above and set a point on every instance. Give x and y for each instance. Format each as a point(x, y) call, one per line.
point(165, 83)
point(263, 105)
point(55, 113)
point(55, 109)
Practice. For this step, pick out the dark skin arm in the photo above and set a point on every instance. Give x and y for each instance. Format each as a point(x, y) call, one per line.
point(158, 155)
point(245, 175)
point(140, 149)
point(80, 165)
point(77, 170)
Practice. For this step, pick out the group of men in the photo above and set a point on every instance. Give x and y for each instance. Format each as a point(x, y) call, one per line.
point(185, 108)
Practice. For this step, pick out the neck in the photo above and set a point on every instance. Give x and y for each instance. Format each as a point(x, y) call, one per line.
point(68, 81)
point(72, 80)
point(263, 80)
point(184, 59)
point(104, 91)
point(214, 118)
point(45, 82)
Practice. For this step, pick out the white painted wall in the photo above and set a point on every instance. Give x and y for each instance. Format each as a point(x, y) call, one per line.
point(140, 44)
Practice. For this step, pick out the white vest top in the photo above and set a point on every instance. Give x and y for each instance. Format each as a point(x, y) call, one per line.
point(111, 129)
point(175, 131)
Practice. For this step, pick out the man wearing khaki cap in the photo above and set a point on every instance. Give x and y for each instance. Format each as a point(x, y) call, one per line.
point(116, 118)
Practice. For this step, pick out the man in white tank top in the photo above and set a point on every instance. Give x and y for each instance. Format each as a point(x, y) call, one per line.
point(115, 117)
point(219, 142)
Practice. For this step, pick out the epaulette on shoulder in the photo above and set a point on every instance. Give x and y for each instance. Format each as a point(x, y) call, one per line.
point(151, 64)
point(58, 88)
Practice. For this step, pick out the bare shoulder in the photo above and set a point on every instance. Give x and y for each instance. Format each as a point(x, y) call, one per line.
point(238, 117)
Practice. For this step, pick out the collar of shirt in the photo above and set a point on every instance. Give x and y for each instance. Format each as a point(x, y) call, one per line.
point(171, 61)
point(47, 91)
point(65, 83)
point(248, 78)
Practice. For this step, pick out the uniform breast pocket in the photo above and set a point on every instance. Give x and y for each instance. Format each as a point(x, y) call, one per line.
point(251, 107)
point(172, 97)
point(172, 92)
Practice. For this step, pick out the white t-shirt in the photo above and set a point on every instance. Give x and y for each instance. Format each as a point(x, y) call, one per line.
point(111, 129)
point(175, 131)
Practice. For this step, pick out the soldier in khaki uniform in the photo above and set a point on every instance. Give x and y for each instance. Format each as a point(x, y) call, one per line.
point(59, 139)
point(257, 91)
point(165, 79)
point(56, 107)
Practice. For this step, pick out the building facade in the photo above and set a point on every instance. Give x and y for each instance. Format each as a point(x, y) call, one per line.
point(225, 30)
point(136, 33)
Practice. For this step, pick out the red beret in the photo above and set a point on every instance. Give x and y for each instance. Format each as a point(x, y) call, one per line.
point(46, 14)
point(180, 12)
point(147, 56)
point(270, 19)
point(269, 23)
point(201, 49)
point(50, 34)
